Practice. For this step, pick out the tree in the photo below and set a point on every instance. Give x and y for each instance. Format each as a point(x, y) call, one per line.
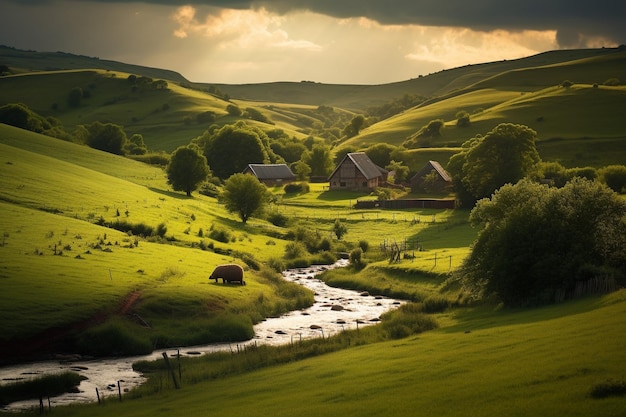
point(74, 97)
point(462, 119)
point(401, 170)
point(319, 159)
point(245, 195)
point(187, 169)
point(136, 145)
point(424, 136)
point(614, 176)
point(504, 155)
point(339, 229)
point(355, 126)
point(540, 244)
point(232, 148)
point(107, 137)
point(380, 153)
point(234, 110)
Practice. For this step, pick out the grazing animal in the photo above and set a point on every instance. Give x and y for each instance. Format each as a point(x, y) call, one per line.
point(228, 272)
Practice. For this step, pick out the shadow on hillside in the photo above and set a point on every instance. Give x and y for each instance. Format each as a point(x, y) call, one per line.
point(173, 194)
point(491, 316)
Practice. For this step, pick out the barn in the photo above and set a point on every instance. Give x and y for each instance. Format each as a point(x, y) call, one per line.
point(431, 178)
point(357, 172)
point(271, 174)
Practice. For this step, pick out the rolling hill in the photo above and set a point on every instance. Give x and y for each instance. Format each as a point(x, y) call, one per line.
point(524, 91)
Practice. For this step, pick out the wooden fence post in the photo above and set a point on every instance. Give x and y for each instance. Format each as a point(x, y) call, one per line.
point(169, 366)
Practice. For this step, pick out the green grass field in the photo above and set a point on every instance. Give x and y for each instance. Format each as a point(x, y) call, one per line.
point(481, 361)
point(60, 265)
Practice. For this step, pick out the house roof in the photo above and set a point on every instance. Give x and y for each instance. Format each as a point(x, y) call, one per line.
point(271, 171)
point(364, 164)
point(430, 165)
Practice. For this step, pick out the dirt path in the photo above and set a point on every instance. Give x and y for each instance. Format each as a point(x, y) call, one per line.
point(57, 340)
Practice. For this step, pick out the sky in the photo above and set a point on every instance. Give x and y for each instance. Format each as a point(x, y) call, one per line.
point(327, 41)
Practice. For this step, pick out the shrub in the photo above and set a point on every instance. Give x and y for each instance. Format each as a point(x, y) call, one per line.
point(609, 388)
point(295, 250)
point(364, 245)
point(276, 264)
point(356, 258)
point(299, 187)
point(219, 234)
point(324, 258)
point(614, 176)
point(435, 304)
point(277, 219)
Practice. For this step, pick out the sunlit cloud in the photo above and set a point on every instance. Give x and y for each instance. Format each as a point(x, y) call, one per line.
point(239, 28)
point(453, 47)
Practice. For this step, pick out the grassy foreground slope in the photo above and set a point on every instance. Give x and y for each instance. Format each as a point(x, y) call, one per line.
point(59, 267)
point(481, 362)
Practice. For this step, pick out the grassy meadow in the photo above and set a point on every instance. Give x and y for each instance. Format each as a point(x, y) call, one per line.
point(67, 256)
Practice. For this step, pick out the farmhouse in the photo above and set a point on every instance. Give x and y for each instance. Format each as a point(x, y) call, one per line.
point(357, 172)
point(271, 174)
point(431, 178)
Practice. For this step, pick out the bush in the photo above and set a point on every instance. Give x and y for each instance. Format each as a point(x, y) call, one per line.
point(298, 187)
point(364, 245)
point(614, 176)
point(219, 234)
point(435, 304)
point(276, 264)
point(277, 219)
point(356, 258)
point(295, 250)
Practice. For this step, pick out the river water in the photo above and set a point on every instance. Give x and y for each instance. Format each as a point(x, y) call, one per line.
point(334, 310)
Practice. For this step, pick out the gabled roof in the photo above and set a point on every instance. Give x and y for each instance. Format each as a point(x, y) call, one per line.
point(271, 171)
point(364, 164)
point(430, 165)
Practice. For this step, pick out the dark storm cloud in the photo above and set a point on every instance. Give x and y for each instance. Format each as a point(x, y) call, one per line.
point(575, 21)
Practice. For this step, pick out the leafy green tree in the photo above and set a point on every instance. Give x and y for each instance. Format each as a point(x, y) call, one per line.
point(319, 159)
point(136, 145)
point(339, 229)
point(301, 169)
point(614, 176)
point(401, 170)
point(380, 153)
point(187, 169)
point(232, 148)
point(424, 136)
point(245, 195)
point(504, 155)
point(354, 127)
point(539, 244)
point(74, 97)
point(234, 110)
point(107, 137)
point(462, 119)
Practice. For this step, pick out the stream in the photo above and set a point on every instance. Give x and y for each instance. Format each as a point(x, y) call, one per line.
point(333, 311)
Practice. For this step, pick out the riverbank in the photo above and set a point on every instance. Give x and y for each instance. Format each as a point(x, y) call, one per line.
point(334, 311)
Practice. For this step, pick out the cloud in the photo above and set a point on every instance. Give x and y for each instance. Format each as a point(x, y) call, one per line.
point(577, 22)
point(238, 28)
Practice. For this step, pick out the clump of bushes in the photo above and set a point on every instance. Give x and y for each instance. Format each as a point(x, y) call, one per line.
point(137, 229)
point(220, 234)
point(297, 188)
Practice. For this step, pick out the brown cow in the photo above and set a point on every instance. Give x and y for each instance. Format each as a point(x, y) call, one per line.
point(228, 272)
